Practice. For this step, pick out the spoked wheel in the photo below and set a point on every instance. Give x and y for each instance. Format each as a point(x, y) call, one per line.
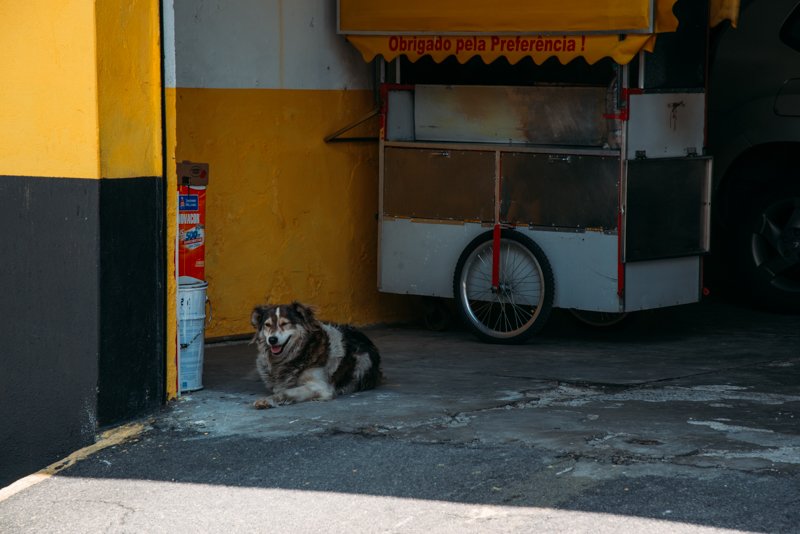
point(520, 305)
point(598, 319)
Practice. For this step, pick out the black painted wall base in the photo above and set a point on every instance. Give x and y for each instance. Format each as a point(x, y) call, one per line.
point(132, 298)
point(82, 335)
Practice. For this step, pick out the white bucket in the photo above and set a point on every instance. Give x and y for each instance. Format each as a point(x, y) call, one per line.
point(192, 301)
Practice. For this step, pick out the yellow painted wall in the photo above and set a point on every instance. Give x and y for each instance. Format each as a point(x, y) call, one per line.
point(288, 216)
point(129, 88)
point(48, 89)
point(170, 126)
point(130, 118)
point(80, 97)
point(129, 100)
point(80, 89)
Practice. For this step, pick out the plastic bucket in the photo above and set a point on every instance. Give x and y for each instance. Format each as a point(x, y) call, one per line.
point(192, 301)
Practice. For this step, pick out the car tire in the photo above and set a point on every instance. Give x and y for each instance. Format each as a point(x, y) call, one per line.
point(767, 250)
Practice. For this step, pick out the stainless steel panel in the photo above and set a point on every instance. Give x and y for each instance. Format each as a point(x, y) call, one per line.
point(400, 116)
point(559, 190)
point(584, 266)
point(420, 259)
point(666, 208)
point(664, 125)
point(484, 147)
point(662, 283)
point(504, 114)
point(439, 184)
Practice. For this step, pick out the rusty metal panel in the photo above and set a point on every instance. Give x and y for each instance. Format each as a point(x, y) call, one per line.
point(504, 114)
point(439, 184)
point(559, 190)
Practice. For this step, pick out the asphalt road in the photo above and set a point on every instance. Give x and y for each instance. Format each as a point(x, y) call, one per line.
point(682, 420)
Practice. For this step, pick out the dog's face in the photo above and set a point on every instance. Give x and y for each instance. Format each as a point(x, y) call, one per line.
point(278, 327)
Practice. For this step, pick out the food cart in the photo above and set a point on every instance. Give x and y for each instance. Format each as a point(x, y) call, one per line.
point(590, 194)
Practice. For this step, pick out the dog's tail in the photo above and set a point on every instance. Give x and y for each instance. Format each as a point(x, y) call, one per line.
point(360, 343)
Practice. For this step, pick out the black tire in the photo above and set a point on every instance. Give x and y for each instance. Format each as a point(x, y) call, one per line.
point(767, 251)
point(523, 303)
point(436, 314)
point(598, 319)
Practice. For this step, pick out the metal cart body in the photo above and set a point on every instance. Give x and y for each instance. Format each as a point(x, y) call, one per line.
point(439, 194)
point(600, 191)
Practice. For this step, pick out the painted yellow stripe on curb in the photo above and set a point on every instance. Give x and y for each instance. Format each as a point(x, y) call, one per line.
point(109, 438)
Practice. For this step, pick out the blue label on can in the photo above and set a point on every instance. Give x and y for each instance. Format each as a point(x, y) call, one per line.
point(188, 203)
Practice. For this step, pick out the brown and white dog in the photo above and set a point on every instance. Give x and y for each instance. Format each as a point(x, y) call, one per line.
point(300, 358)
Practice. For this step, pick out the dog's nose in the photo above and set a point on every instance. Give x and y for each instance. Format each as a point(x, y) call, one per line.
point(272, 340)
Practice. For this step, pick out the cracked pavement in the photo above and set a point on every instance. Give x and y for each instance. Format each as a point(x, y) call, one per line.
point(684, 419)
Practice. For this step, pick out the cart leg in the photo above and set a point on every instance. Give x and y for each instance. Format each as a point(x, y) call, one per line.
point(496, 258)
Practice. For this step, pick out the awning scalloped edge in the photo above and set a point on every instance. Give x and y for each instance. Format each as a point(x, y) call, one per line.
point(514, 48)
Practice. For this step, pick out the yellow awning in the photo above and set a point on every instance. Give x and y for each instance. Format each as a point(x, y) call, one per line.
point(464, 17)
point(514, 29)
point(565, 48)
point(723, 10)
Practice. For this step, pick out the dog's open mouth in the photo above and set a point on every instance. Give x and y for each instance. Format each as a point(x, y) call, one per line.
point(277, 349)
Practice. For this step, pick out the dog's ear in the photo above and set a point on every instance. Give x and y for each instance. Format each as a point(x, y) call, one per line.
point(258, 316)
point(306, 313)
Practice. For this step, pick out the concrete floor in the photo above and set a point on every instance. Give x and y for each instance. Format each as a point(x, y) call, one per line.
point(709, 384)
point(681, 420)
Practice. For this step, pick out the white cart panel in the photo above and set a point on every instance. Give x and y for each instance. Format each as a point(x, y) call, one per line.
point(419, 258)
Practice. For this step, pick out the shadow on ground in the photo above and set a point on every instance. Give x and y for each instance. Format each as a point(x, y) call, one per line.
point(684, 416)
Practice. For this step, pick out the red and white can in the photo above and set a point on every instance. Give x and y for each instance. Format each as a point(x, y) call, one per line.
point(192, 231)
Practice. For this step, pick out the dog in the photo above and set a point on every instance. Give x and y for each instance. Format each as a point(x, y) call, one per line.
point(301, 358)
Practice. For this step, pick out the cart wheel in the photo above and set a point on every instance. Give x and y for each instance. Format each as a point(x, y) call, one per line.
point(598, 319)
point(522, 303)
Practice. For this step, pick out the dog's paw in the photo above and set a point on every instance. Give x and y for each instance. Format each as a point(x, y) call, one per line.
point(273, 401)
point(263, 404)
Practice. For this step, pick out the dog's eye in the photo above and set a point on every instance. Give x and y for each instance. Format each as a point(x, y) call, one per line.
point(268, 322)
point(283, 322)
